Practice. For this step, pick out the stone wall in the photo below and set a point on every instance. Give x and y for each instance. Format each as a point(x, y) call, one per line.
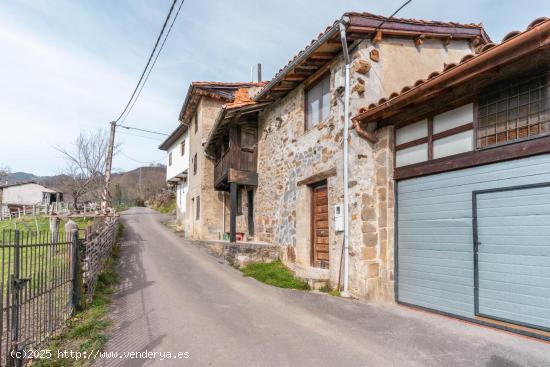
point(241, 254)
point(209, 225)
point(288, 155)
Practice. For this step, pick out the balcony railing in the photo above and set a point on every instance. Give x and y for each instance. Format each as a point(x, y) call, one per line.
point(221, 168)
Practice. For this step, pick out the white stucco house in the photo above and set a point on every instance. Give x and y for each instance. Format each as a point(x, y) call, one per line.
point(176, 147)
point(26, 194)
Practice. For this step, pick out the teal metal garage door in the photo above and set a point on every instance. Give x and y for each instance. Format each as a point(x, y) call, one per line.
point(512, 268)
point(435, 242)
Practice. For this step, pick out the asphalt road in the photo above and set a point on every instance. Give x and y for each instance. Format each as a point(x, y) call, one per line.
point(174, 297)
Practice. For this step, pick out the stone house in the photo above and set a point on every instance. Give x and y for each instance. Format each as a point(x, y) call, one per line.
point(469, 144)
point(299, 196)
point(176, 146)
point(233, 147)
point(204, 215)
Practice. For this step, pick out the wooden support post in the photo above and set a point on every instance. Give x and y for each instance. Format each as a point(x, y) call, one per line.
point(76, 274)
point(233, 212)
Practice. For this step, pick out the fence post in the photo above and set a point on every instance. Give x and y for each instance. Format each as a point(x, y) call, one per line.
point(12, 359)
point(76, 274)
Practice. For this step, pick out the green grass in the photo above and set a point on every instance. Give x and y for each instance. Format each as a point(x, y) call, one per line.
point(30, 223)
point(169, 208)
point(327, 289)
point(275, 274)
point(86, 331)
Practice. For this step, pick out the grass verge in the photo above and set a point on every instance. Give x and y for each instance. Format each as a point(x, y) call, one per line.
point(166, 208)
point(275, 274)
point(41, 223)
point(327, 289)
point(86, 330)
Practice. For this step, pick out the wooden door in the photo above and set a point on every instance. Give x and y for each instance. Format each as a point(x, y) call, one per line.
point(319, 223)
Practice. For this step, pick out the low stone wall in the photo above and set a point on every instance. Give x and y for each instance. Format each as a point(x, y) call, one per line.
point(241, 253)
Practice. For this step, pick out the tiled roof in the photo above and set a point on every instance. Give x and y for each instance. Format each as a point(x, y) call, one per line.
point(223, 91)
point(481, 50)
point(416, 21)
point(370, 22)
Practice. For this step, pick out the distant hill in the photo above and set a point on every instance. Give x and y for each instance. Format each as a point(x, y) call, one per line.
point(130, 187)
point(139, 184)
point(21, 176)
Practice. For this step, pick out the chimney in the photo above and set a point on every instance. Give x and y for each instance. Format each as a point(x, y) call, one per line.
point(259, 72)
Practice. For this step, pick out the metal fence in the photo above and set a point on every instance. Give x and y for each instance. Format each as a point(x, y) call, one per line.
point(41, 283)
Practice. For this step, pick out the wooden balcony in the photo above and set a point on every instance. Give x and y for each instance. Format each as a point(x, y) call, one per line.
point(236, 165)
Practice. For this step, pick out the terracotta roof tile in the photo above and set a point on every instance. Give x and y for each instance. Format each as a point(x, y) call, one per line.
point(377, 17)
point(446, 67)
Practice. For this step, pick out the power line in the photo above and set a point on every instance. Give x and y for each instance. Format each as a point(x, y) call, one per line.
point(154, 61)
point(145, 131)
point(148, 61)
point(391, 16)
point(140, 136)
point(138, 161)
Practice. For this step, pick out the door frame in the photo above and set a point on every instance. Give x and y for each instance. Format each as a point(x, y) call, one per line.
point(476, 250)
point(313, 187)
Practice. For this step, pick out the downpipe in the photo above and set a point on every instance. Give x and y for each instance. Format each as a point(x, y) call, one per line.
point(345, 291)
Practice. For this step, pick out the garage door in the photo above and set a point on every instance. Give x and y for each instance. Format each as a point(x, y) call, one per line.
point(512, 232)
point(435, 241)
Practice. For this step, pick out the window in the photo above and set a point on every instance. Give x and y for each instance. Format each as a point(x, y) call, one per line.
point(514, 112)
point(433, 137)
point(198, 208)
point(170, 158)
point(196, 121)
point(317, 102)
point(195, 164)
point(182, 148)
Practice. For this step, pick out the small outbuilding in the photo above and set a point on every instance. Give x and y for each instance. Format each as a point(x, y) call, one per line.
point(28, 193)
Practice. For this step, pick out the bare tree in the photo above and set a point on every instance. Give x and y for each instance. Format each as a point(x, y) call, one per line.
point(85, 160)
point(4, 173)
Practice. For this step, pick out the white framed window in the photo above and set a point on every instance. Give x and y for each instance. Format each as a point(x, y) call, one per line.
point(317, 102)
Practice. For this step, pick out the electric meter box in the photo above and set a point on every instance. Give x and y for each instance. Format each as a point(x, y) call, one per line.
point(339, 218)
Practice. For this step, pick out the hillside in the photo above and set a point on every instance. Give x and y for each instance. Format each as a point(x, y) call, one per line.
point(21, 176)
point(139, 184)
point(127, 188)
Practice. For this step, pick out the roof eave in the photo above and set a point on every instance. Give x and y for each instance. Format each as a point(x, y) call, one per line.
point(171, 139)
point(525, 43)
point(307, 52)
point(209, 141)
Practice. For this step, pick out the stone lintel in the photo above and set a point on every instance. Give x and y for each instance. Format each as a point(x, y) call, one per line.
point(318, 177)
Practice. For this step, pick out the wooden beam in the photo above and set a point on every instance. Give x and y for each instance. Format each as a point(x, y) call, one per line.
point(453, 131)
point(360, 23)
point(233, 212)
point(243, 177)
point(476, 158)
point(412, 143)
point(323, 56)
point(293, 77)
point(318, 177)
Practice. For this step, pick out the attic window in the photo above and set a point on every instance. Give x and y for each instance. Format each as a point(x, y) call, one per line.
point(513, 113)
point(318, 102)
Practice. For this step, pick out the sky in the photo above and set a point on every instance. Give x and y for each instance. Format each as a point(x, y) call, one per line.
point(68, 66)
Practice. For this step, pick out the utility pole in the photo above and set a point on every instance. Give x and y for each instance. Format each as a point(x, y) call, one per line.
point(106, 196)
